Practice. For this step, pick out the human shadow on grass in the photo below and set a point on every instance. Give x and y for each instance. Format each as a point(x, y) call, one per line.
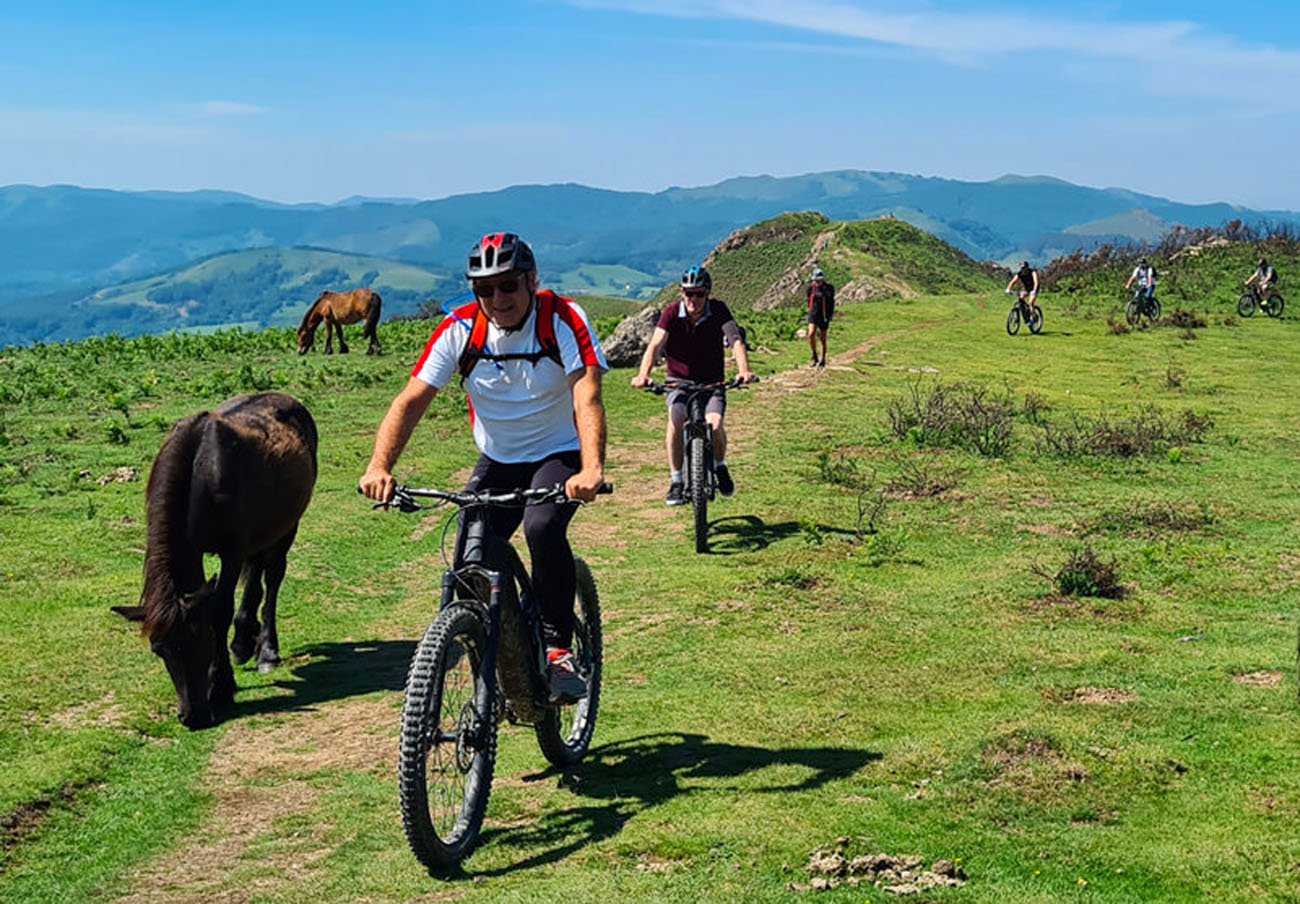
point(749, 533)
point(637, 774)
point(334, 671)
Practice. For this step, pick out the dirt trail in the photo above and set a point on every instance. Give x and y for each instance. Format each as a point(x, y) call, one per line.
point(268, 772)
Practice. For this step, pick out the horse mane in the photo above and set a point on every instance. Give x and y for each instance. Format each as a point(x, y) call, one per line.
point(310, 309)
point(167, 497)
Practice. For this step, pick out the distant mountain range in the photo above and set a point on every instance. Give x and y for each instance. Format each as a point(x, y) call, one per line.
point(61, 245)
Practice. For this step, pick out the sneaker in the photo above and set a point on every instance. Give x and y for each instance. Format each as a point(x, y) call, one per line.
point(822, 363)
point(814, 360)
point(675, 495)
point(726, 486)
point(562, 678)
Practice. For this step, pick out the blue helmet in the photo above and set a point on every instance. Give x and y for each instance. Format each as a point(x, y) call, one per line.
point(697, 278)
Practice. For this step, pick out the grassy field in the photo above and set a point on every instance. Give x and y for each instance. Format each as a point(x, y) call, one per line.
point(921, 689)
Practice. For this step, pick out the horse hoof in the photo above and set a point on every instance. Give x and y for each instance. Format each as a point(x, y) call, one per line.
point(241, 652)
point(267, 666)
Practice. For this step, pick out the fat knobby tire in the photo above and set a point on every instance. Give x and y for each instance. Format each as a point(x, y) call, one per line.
point(456, 628)
point(565, 733)
point(1013, 321)
point(699, 494)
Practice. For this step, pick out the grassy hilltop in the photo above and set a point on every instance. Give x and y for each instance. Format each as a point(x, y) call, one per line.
point(885, 645)
point(765, 265)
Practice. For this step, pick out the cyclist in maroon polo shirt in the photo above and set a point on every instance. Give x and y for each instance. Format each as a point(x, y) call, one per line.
point(693, 333)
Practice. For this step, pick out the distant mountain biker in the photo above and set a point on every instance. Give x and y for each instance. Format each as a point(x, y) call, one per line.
point(821, 308)
point(1267, 278)
point(1145, 276)
point(532, 367)
point(1029, 282)
point(692, 333)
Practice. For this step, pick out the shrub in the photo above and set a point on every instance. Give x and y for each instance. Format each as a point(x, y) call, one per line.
point(1187, 334)
point(840, 469)
point(1175, 375)
point(1086, 574)
point(923, 477)
point(957, 415)
point(1147, 432)
point(1117, 327)
point(1180, 317)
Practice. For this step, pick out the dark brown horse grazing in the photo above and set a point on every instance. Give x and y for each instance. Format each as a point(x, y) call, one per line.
point(336, 309)
point(233, 482)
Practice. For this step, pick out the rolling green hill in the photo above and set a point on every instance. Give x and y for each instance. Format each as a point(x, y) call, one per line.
point(765, 266)
point(253, 289)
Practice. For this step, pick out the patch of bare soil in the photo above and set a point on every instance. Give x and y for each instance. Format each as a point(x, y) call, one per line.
point(1092, 695)
point(833, 866)
point(1045, 530)
point(1032, 764)
point(105, 712)
point(1259, 679)
point(261, 774)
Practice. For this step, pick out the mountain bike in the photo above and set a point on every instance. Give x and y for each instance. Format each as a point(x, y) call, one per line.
point(1021, 311)
point(699, 483)
point(1142, 305)
point(1251, 299)
point(483, 658)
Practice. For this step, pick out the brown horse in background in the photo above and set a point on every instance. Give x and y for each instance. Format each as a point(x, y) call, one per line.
point(337, 309)
point(233, 482)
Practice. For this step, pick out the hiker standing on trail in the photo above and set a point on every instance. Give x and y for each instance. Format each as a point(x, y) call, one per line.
point(821, 308)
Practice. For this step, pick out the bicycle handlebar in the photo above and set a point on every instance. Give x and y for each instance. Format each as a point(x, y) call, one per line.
point(404, 497)
point(687, 386)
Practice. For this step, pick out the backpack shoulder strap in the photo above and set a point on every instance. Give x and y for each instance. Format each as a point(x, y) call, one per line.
point(546, 341)
point(474, 346)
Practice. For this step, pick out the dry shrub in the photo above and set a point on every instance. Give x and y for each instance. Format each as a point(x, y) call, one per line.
point(1117, 327)
point(1155, 518)
point(1179, 317)
point(956, 416)
point(923, 477)
point(1150, 431)
point(1086, 574)
point(1175, 376)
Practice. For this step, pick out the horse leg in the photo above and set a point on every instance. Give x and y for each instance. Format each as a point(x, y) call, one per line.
point(246, 626)
point(221, 675)
point(329, 334)
point(343, 346)
point(268, 642)
point(372, 327)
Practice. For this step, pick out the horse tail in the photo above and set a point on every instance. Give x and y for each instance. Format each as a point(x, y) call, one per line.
point(373, 307)
point(167, 498)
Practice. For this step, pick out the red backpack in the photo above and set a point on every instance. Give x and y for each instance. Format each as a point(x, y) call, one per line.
point(547, 347)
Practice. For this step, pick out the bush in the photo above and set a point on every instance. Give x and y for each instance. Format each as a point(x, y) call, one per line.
point(1175, 376)
point(1148, 432)
point(923, 477)
point(1180, 317)
point(1085, 574)
point(957, 415)
point(1117, 327)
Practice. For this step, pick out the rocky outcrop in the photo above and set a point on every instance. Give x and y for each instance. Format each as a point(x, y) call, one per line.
point(627, 343)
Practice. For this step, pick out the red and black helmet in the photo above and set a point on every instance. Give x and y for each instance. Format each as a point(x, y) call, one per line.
point(497, 253)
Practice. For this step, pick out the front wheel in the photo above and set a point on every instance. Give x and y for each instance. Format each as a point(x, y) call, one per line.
point(700, 492)
point(448, 740)
point(1246, 305)
point(564, 734)
point(1013, 321)
point(1132, 312)
point(1036, 320)
point(1276, 305)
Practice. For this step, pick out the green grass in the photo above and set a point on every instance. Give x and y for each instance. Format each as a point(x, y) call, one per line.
point(914, 688)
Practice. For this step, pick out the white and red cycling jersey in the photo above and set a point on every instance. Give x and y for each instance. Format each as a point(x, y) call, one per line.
point(521, 411)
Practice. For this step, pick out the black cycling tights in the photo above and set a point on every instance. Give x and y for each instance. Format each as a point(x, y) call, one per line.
point(545, 529)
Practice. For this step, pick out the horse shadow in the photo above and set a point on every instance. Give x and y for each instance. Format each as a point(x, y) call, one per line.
point(749, 533)
point(625, 778)
point(333, 671)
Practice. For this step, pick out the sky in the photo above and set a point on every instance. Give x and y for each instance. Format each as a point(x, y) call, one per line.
point(295, 101)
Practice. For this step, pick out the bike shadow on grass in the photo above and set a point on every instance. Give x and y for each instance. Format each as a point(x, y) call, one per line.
point(332, 671)
point(637, 774)
point(749, 533)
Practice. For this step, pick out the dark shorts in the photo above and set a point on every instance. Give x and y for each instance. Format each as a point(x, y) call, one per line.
point(817, 320)
point(716, 403)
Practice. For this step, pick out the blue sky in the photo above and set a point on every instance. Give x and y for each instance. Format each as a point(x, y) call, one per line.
point(298, 101)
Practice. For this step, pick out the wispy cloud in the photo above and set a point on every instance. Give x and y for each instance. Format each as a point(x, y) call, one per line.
point(1169, 57)
point(231, 108)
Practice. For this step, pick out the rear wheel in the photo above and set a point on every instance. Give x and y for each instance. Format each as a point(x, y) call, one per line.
point(1246, 305)
point(700, 493)
point(1153, 310)
point(565, 733)
point(1036, 320)
point(1276, 305)
point(1013, 321)
point(448, 740)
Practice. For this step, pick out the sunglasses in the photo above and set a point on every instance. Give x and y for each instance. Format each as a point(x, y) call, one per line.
point(487, 290)
point(696, 293)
